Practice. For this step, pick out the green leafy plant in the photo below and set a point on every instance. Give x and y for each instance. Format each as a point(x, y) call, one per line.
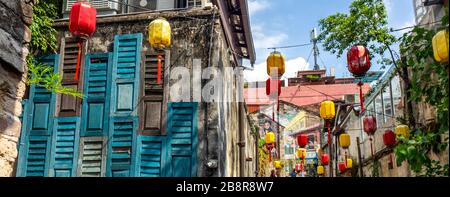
point(416, 150)
point(43, 40)
point(430, 84)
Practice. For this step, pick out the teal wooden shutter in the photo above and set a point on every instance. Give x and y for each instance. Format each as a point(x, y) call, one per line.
point(37, 156)
point(43, 102)
point(124, 102)
point(21, 147)
point(97, 87)
point(126, 72)
point(91, 161)
point(65, 145)
point(34, 159)
point(152, 156)
point(120, 157)
point(182, 132)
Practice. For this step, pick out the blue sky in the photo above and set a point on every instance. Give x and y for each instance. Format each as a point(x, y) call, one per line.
point(289, 22)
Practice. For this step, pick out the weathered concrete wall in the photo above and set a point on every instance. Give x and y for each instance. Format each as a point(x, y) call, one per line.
point(15, 17)
point(218, 129)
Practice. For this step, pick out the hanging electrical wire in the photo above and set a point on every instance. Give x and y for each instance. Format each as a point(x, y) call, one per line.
point(150, 10)
point(414, 26)
point(291, 46)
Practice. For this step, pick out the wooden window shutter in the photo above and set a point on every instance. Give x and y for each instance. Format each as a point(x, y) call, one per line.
point(69, 105)
point(91, 162)
point(126, 74)
point(123, 123)
point(65, 143)
point(37, 127)
point(153, 106)
point(97, 90)
point(152, 156)
point(182, 132)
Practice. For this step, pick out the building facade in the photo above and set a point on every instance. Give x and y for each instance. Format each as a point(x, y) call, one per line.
point(129, 125)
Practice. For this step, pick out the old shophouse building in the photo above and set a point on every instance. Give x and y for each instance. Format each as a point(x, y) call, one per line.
point(129, 125)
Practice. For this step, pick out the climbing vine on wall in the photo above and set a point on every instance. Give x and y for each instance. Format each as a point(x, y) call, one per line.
point(430, 85)
point(43, 40)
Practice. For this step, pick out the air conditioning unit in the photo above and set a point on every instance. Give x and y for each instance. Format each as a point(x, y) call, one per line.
point(351, 98)
point(207, 4)
point(100, 5)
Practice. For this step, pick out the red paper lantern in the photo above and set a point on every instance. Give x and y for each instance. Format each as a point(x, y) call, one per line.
point(389, 138)
point(82, 20)
point(325, 159)
point(370, 125)
point(298, 167)
point(273, 83)
point(358, 60)
point(342, 167)
point(302, 140)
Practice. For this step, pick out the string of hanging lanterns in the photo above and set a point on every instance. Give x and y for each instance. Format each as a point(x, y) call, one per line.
point(302, 141)
point(344, 142)
point(275, 70)
point(328, 113)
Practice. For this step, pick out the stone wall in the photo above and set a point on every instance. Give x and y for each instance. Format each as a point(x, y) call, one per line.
point(15, 18)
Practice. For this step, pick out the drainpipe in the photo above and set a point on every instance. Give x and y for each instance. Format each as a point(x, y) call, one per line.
point(241, 143)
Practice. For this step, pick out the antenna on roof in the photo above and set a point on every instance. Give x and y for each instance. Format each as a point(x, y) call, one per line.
point(315, 49)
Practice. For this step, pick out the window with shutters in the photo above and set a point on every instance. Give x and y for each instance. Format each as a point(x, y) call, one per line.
point(97, 91)
point(91, 162)
point(37, 121)
point(153, 102)
point(69, 105)
point(65, 143)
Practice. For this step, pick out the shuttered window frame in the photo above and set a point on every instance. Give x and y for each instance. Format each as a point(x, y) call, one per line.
point(67, 105)
point(149, 61)
point(38, 96)
point(81, 154)
point(96, 99)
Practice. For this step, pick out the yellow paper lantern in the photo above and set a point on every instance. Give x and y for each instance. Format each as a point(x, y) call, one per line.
point(327, 110)
point(159, 34)
point(344, 140)
point(301, 153)
point(278, 164)
point(270, 138)
point(276, 61)
point(402, 130)
point(349, 164)
point(320, 170)
point(440, 46)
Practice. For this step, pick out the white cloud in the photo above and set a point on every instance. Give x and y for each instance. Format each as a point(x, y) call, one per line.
point(263, 40)
point(389, 4)
point(257, 5)
point(292, 67)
